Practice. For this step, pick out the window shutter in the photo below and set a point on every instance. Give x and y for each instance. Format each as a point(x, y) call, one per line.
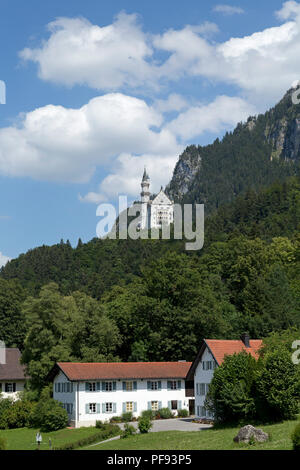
point(124, 407)
point(98, 386)
point(159, 405)
point(14, 387)
point(134, 385)
point(55, 387)
point(114, 386)
point(149, 405)
point(179, 384)
point(87, 408)
point(135, 406)
point(114, 407)
point(159, 385)
point(169, 405)
point(149, 385)
point(98, 407)
point(103, 407)
point(71, 387)
point(103, 386)
point(124, 386)
point(179, 404)
point(87, 386)
point(169, 385)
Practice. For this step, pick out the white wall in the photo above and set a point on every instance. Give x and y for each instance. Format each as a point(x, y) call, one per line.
point(202, 377)
point(19, 388)
point(65, 397)
point(141, 397)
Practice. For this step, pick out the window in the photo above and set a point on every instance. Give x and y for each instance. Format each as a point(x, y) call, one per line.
point(174, 405)
point(203, 411)
point(92, 407)
point(129, 406)
point(10, 387)
point(154, 385)
point(108, 386)
point(129, 386)
point(154, 405)
point(201, 389)
point(68, 407)
point(108, 407)
point(92, 386)
point(173, 385)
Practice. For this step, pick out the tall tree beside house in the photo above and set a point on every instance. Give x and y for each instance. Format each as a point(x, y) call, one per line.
point(61, 328)
point(12, 328)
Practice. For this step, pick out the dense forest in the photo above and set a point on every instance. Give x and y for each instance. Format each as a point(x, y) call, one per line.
point(150, 299)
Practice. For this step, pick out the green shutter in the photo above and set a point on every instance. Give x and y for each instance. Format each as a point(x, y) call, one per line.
point(124, 386)
point(135, 406)
point(114, 407)
point(124, 407)
point(134, 385)
point(169, 385)
point(103, 407)
point(179, 405)
point(114, 386)
point(87, 387)
point(149, 405)
point(148, 385)
point(98, 407)
point(169, 405)
point(159, 385)
point(87, 408)
point(103, 386)
point(159, 405)
point(98, 386)
point(179, 384)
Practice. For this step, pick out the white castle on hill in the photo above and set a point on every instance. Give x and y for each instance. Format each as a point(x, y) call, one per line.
point(156, 212)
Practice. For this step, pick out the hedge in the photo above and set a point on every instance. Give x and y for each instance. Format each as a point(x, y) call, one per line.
point(110, 431)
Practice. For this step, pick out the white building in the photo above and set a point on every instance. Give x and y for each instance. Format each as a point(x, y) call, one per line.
point(98, 391)
point(210, 356)
point(12, 374)
point(156, 212)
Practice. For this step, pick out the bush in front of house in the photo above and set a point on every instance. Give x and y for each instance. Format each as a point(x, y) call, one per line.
point(129, 430)
point(116, 419)
point(14, 414)
point(182, 413)
point(99, 424)
point(110, 430)
point(148, 414)
point(144, 424)
point(2, 443)
point(48, 415)
point(127, 417)
point(296, 437)
point(164, 413)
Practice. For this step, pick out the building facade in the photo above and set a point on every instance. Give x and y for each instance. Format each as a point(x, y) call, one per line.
point(210, 356)
point(157, 212)
point(12, 374)
point(98, 391)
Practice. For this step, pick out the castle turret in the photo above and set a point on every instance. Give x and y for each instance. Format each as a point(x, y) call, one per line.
point(145, 198)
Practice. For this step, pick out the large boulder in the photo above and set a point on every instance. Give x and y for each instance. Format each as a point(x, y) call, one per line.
point(249, 432)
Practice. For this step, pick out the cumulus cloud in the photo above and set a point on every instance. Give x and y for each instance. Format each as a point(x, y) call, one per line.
point(224, 112)
point(289, 10)
point(228, 10)
point(3, 259)
point(59, 144)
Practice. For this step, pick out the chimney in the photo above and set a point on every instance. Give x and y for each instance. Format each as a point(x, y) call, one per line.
point(246, 339)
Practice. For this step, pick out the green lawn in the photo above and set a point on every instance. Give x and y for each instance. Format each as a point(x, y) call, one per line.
point(209, 439)
point(24, 438)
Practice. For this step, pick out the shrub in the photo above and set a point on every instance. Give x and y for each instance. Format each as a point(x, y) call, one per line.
point(115, 419)
point(100, 425)
point(164, 413)
point(2, 443)
point(5, 404)
point(182, 413)
point(49, 415)
point(129, 430)
point(144, 424)
point(109, 431)
point(14, 414)
point(127, 417)
point(148, 414)
point(296, 437)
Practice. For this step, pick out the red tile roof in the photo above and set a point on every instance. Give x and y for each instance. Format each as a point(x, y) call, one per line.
point(124, 370)
point(220, 348)
point(12, 369)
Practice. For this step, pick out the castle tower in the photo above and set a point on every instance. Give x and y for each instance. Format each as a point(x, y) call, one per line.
point(145, 198)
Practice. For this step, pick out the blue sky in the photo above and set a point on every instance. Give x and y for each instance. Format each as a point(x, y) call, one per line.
point(96, 90)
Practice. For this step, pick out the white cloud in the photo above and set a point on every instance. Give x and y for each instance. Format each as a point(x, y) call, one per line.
point(3, 259)
point(228, 10)
point(58, 144)
point(223, 113)
point(105, 57)
point(289, 10)
point(174, 102)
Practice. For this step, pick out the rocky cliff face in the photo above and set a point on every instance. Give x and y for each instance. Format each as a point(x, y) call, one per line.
point(277, 132)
